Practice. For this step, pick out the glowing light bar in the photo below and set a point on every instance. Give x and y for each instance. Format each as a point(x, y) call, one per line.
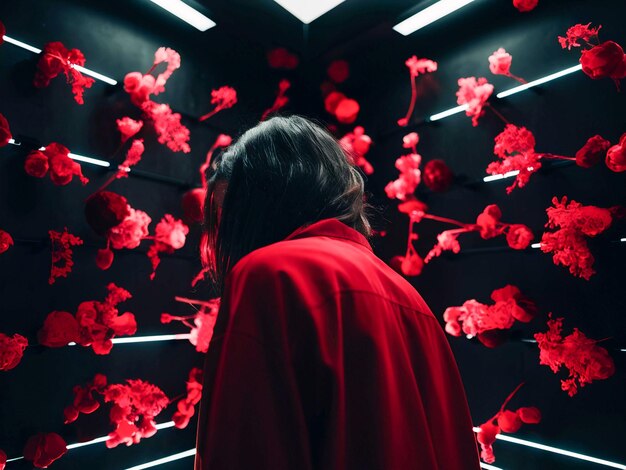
point(35, 50)
point(93, 161)
point(449, 112)
point(526, 86)
point(486, 466)
point(429, 15)
point(536, 245)
point(622, 239)
point(508, 174)
point(307, 11)
point(186, 13)
point(13, 142)
point(171, 458)
point(556, 450)
point(145, 339)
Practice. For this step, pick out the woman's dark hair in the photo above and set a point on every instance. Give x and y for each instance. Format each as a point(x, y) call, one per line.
point(284, 173)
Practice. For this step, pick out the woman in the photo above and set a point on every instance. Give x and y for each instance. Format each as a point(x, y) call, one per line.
point(322, 356)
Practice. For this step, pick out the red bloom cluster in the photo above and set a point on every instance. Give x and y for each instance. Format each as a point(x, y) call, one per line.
point(203, 321)
point(44, 448)
point(525, 5)
point(5, 132)
point(568, 244)
point(96, 323)
point(338, 71)
point(281, 58)
point(487, 321)
point(3, 455)
point(504, 421)
point(11, 350)
point(185, 406)
point(6, 241)
point(281, 99)
point(599, 60)
point(356, 144)
point(55, 157)
point(437, 176)
point(62, 243)
point(411, 264)
point(343, 108)
point(584, 359)
point(474, 93)
point(500, 64)
point(135, 405)
point(133, 156)
point(488, 224)
point(592, 152)
point(166, 123)
point(128, 127)
point(410, 174)
point(616, 156)
point(56, 58)
point(170, 234)
point(223, 98)
point(416, 67)
point(84, 401)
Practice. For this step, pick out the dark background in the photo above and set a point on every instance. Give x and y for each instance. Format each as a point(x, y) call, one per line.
point(119, 36)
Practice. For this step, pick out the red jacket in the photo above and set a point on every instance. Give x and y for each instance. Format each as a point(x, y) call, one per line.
point(324, 357)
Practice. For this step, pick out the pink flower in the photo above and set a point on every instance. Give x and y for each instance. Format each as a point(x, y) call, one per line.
point(6, 241)
point(578, 32)
point(171, 231)
point(62, 252)
point(410, 140)
point(223, 98)
point(347, 111)
point(201, 335)
point(500, 62)
point(474, 93)
point(131, 231)
point(420, 66)
point(128, 127)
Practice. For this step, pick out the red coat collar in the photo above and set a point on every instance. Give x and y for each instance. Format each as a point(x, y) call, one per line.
point(332, 228)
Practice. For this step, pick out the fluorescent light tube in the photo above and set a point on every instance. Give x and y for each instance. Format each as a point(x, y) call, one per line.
point(429, 15)
point(539, 81)
point(308, 10)
point(508, 174)
point(186, 13)
point(170, 458)
point(145, 339)
point(449, 112)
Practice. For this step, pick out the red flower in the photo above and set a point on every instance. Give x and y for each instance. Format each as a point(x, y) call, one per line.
point(56, 58)
point(84, 401)
point(525, 5)
point(509, 421)
point(104, 259)
point(437, 175)
point(170, 235)
point(135, 406)
point(133, 156)
point(332, 101)
point(6, 241)
point(584, 359)
point(410, 177)
point(5, 132)
point(36, 164)
point(356, 144)
point(347, 111)
point(529, 415)
point(130, 232)
point(223, 98)
point(44, 448)
point(592, 152)
point(11, 350)
point(578, 32)
point(500, 62)
point(410, 141)
point(416, 67)
point(104, 210)
point(3, 455)
point(139, 86)
point(193, 202)
point(604, 60)
point(519, 236)
point(185, 407)
point(281, 99)
point(281, 58)
point(474, 93)
point(338, 71)
point(172, 58)
point(128, 127)
point(168, 127)
point(62, 167)
point(489, 221)
point(59, 329)
point(203, 321)
point(616, 156)
point(62, 262)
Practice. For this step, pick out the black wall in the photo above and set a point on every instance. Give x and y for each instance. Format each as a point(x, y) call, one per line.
point(121, 36)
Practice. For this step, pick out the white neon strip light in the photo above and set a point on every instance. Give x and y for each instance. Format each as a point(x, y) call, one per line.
point(556, 450)
point(622, 239)
point(35, 50)
point(489, 467)
point(171, 458)
point(145, 339)
point(536, 245)
point(508, 174)
point(308, 11)
point(449, 112)
point(93, 161)
point(429, 15)
point(186, 13)
point(526, 86)
point(12, 142)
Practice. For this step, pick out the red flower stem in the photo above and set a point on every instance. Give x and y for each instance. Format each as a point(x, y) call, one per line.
point(176, 398)
point(515, 77)
point(508, 399)
point(203, 303)
point(209, 114)
point(497, 113)
point(445, 220)
point(556, 157)
point(205, 166)
point(413, 98)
